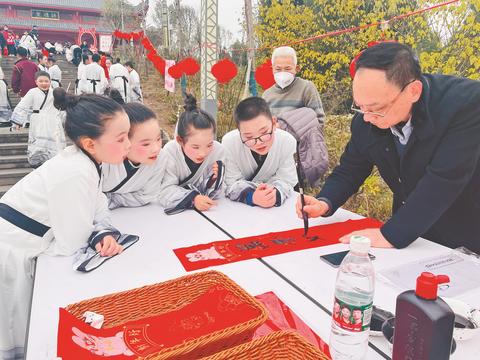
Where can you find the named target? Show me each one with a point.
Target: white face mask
(283, 78)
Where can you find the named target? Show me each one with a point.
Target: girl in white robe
(55, 73)
(135, 88)
(194, 163)
(81, 82)
(58, 208)
(259, 157)
(42, 62)
(5, 106)
(46, 137)
(120, 79)
(137, 181)
(94, 79)
(28, 42)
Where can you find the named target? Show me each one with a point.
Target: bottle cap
(427, 285)
(360, 244)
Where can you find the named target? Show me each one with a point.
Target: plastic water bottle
(352, 309)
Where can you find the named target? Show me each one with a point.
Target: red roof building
(56, 20)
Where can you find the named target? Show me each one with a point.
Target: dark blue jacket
(436, 184)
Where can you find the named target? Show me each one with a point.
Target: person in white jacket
(55, 72)
(5, 106)
(259, 157)
(81, 82)
(194, 163)
(120, 79)
(46, 136)
(94, 77)
(138, 180)
(135, 88)
(58, 208)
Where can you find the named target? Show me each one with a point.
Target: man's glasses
(262, 138)
(356, 109)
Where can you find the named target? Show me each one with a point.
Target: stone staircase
(13, 158)
(13, 145)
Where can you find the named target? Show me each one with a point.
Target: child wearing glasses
(194, 163)
(260, 168)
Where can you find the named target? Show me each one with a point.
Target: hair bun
(114, 94)
(62, 100)
(190, 103)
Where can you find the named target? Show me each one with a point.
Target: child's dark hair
(130, 64)
(115, 95)
(22, 52)
(86, 114)
(194, 117)
(42, 73)
(137, 112)
(95, 58)
(52, 59)
(250, 108)
(85, 58)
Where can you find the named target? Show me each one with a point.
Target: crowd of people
(420, 130)
(36, 74)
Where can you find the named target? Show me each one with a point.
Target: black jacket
(436, 184)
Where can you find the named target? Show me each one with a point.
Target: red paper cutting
(228, 251)
(217, 309)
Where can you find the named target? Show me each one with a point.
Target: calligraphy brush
(298, 166)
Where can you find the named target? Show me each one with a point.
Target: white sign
(106, 43)
(169, 81)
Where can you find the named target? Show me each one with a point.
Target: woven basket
(284, 345)
(172, 295)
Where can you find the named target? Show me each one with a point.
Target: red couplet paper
(217, 309)
(228, 251)
(281, 317)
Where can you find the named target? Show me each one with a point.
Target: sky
(229, 13)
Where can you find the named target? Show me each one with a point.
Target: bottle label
(350, 317)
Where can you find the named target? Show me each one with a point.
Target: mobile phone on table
(336, 259)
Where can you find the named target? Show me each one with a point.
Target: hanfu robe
(81, 82)
(42, 67)
(243, 174)
(5, 106)
(127, 185)
(55, 76)
(65, 210)
(120, 80)
(95, 80)
(46, 136)
(135, 88)
(28, 42)
(181, 184)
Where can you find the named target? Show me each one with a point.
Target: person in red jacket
(12, 50)
(23, 74)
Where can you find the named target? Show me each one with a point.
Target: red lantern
(189, 66)
(175, 71)
(224, 71)
(264, 75)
